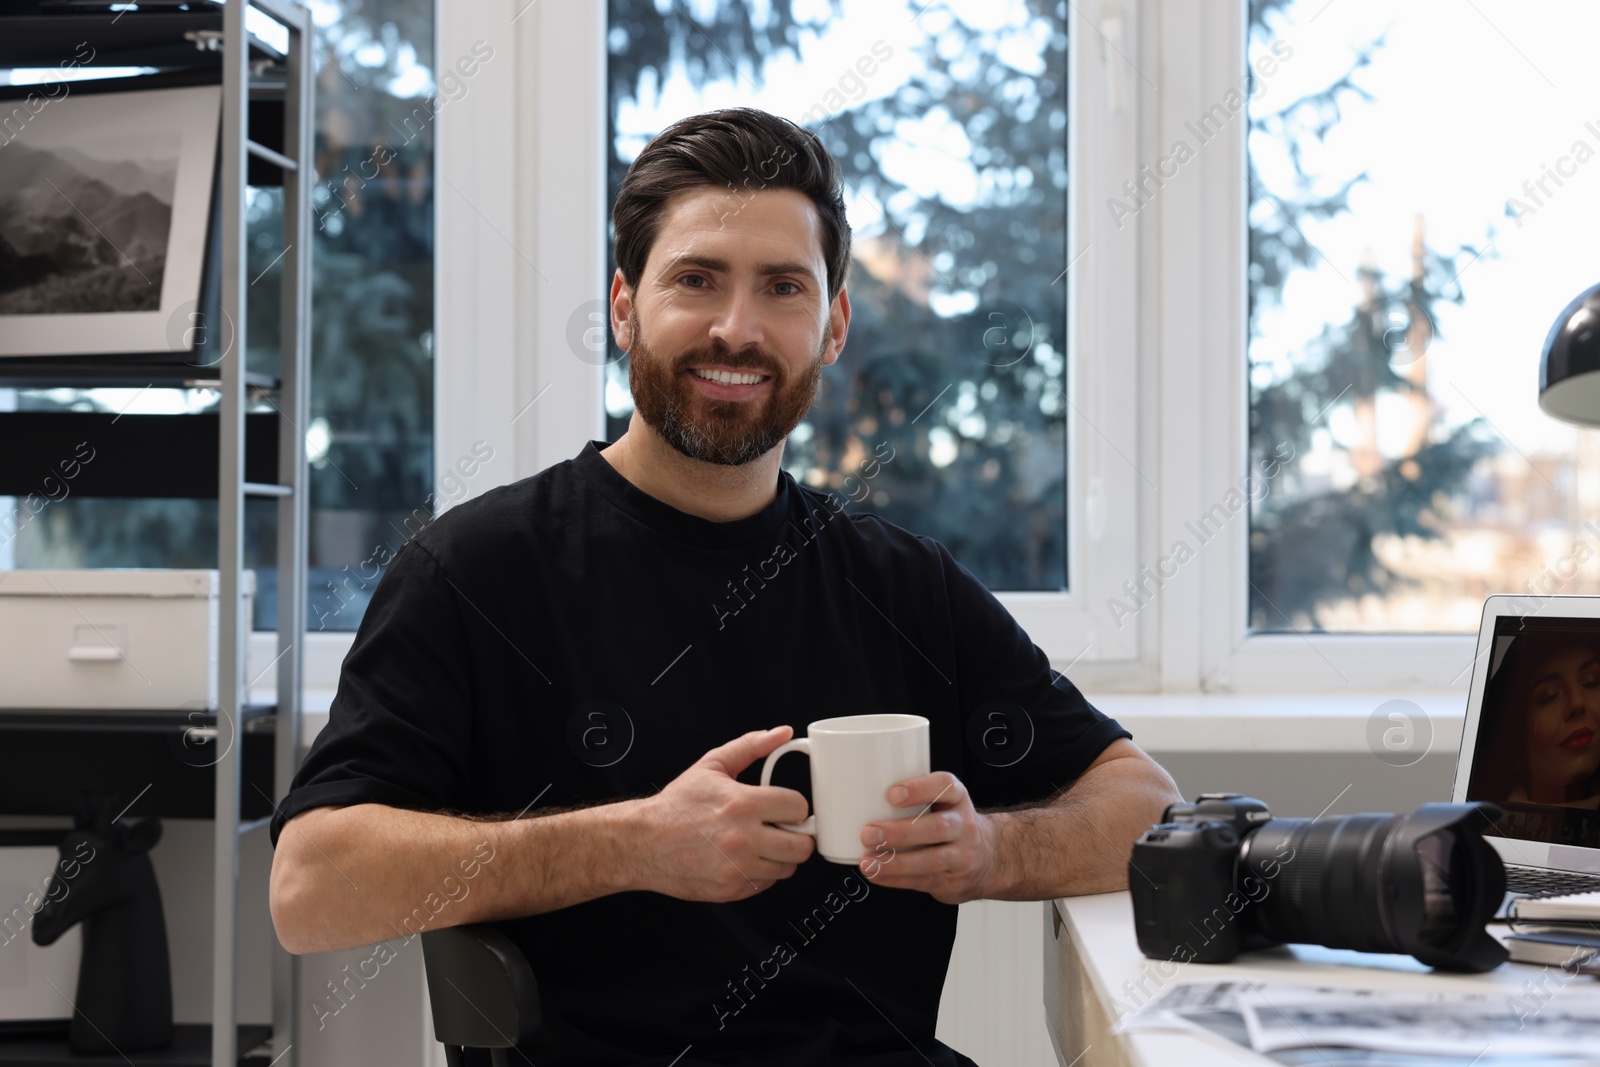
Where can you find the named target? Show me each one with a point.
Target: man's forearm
(357, 875)
(1081, 842)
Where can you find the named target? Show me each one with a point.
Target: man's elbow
(1161, 790)
(286, 902)
(293, 893)
(1144, 788)
(1158, 793)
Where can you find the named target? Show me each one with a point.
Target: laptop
(1532, 740)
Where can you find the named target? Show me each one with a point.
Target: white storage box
(111, 639)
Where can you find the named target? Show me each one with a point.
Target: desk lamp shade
(1569, 372)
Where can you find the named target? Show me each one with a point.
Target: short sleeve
(1029, 731)
(399, 728)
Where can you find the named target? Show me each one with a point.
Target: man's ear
(838, 325)
(621, 309)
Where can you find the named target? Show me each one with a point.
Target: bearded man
(539, 694)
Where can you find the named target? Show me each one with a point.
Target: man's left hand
(943, 846)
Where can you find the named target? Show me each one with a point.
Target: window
(950, 123)
(1201, 331)
(1421, 180)
(370, 435)
(525, 262)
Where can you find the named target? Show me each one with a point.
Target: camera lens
(1329, 884)
(1437, 859)
(1412, 884)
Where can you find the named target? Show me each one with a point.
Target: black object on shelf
(41, 33)
(154, 756)
(134, 456)
(90, 372)
(105, 881)
(191, 1047)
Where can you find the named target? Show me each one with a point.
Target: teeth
(727, 378)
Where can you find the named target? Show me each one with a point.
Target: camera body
(1190, 902)
(1221, 876)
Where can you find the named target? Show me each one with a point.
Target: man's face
(735, 284)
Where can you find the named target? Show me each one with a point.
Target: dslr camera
(1222, 876)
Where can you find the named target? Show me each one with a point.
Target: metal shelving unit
(167, 40)
(290, 491)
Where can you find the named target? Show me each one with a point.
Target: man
(546, 651)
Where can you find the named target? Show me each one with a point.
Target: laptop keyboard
(1542, 881)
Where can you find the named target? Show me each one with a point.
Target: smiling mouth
(729, 378)
(1578, 739)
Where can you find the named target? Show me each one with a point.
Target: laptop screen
(1537, 752)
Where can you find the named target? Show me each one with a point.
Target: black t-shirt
(570, 639)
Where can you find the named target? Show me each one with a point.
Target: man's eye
(695, 278)
(791, 288)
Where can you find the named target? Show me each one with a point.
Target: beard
(729, 433)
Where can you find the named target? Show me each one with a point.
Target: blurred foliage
(979, 388)
(1311, 547)
(372, 262)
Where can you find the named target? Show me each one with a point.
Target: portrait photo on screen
(1538, 746)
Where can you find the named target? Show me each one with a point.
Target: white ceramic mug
(854, 761)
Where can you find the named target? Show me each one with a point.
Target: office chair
(483, 993)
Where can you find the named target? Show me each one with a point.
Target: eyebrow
(766, 270)
(1556, 676)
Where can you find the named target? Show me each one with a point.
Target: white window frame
(521, 183)
(1157, 311)
(499, 326)
(1203, 230)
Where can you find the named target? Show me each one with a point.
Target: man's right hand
(343, 875)
(706, 834)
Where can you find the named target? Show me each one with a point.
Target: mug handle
(799, 744)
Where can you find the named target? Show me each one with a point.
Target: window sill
(1287, 722)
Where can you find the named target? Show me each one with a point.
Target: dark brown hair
(741, 149)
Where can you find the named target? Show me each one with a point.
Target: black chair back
(483, 992)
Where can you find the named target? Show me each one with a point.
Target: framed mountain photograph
(105, 200)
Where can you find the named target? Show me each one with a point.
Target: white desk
(1094, 974)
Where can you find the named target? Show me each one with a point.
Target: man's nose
(737, 323)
